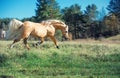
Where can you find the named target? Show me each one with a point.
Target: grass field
(74, 59)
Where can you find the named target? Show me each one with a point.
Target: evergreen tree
(102, 14)
(91, 12)
(4, 23)
(47, 9)
(71, 15)
(114, 7)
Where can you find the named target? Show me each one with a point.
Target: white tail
(13, 31)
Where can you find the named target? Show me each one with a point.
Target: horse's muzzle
(67, 37)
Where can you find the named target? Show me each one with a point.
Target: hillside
(114, 38)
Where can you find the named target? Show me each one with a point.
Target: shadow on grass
(5, 76)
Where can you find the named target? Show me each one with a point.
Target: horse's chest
(50, 31)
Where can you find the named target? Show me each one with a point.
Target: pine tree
(91, 12)
(47, 9)
(102, 14)
(72, 13)
(72, 16)
(114, 7)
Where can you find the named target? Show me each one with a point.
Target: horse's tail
(14, 29)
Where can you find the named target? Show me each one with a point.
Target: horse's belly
(42, 33)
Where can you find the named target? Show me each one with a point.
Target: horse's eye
(65, 31)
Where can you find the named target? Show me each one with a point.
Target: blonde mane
(54, 21)
(13, 26)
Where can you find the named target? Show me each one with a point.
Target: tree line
(89, 23)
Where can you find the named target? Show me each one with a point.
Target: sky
(26, 8)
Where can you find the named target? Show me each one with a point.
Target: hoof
(11, 46)
(28, 48)
(33, 45)
(57, 47)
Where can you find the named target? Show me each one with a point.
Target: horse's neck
(57, 27)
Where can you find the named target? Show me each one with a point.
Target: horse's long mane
(55, 21)
(13, 29)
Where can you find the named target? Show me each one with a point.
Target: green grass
(72, 60)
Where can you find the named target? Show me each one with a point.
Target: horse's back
(35, 29)
(29, 26)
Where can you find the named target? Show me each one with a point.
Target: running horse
(22, 30)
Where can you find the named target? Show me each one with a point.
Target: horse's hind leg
(40, 42)
(25, 42)
(16, 40)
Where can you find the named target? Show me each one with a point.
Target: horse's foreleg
(16, 40)
(25, 42)
(54, 40)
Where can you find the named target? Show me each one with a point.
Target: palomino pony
(41, 30)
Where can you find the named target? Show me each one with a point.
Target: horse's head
(60, 25)
(65, 31)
